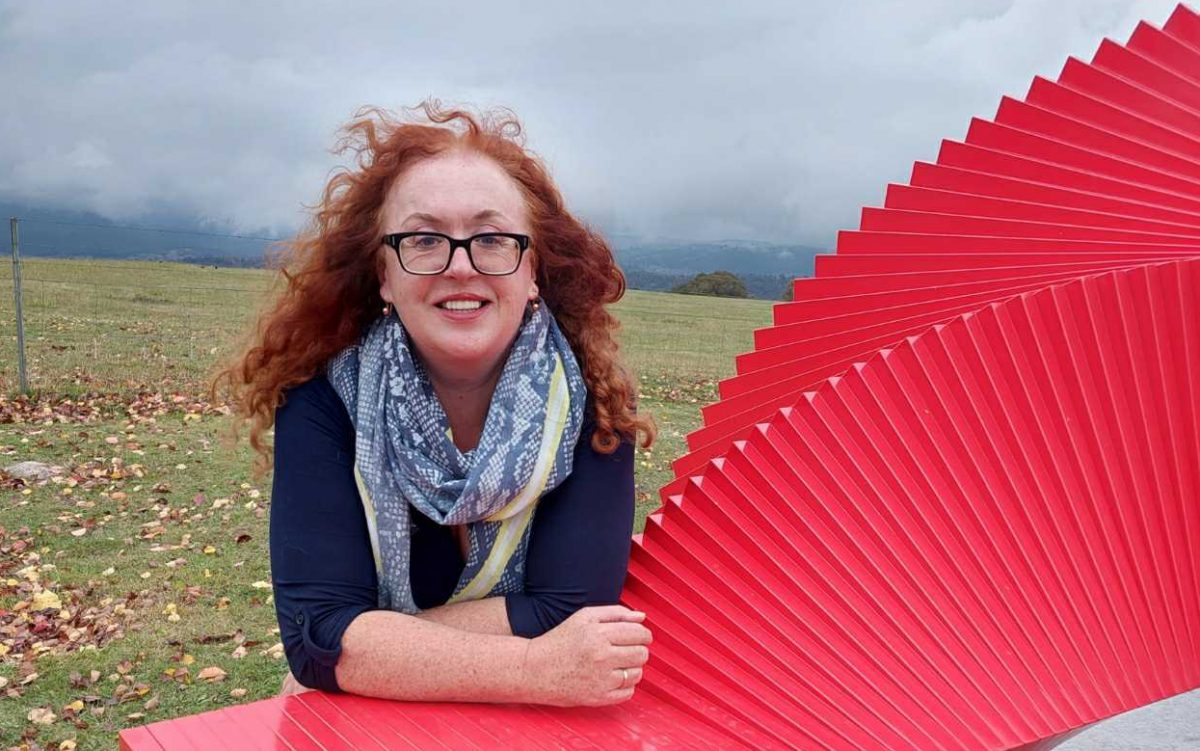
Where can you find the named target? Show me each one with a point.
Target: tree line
(720, 284)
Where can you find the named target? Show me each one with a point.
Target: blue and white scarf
(404, 453)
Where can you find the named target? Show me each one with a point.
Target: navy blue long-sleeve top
(323, 570)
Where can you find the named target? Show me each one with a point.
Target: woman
(453, 489)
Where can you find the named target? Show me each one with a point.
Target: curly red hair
(331, 271)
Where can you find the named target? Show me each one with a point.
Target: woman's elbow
(311, 671)
(312, 664)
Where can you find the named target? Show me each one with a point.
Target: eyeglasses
(430, 253)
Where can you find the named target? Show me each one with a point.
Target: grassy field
(134, 586)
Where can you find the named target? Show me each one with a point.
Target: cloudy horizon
(770, 121)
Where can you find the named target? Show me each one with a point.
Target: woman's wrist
(531, 674)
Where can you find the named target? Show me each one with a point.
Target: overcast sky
(692, 120)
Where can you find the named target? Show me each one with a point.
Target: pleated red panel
(952, 498)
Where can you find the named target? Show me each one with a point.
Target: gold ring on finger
(624, 677)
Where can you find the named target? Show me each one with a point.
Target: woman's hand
(593, 658)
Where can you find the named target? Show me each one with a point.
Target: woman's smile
(463, 310)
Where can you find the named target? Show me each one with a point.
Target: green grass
(119, 355)
(125, 326)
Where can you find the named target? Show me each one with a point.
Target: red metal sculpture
(952, 498)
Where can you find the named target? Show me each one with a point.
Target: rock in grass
(33, 471)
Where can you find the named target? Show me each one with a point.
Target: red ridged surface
(952, 498)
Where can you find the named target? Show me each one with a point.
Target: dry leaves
(45, 600)
(49, 617)
(42, 612)
(212, 674)
(41, 716)
(92, 407)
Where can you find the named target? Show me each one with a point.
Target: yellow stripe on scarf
(369, 508)
(515, 517)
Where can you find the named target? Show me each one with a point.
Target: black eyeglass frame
(394, 239)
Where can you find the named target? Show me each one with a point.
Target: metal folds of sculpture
(952, 498)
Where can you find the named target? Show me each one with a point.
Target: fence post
(16, 261)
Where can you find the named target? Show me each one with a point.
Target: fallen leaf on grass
(30, 573)
(41, 716)
(44, 600)
(192, 593)
(212, 674)
(238, 693)
(124, 693)
(179, 675)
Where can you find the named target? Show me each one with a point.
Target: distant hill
(742, 257)
(766, 268)
(81, 234)
(761, 286)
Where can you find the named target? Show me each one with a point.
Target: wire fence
(120, 326)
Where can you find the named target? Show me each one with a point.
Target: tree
(716, 284)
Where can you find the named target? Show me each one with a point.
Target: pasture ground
(134, 587)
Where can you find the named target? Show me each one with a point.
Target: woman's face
(460, 194)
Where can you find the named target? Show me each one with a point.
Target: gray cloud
(765, 120)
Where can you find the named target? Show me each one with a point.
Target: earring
(535, 304)
(387, 309)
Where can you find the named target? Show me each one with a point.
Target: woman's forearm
(395, 656)
(486, 616)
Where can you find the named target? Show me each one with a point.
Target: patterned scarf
(404, 453)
